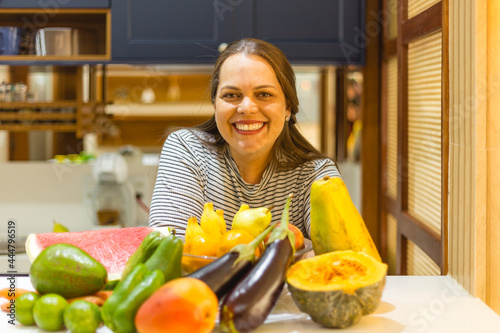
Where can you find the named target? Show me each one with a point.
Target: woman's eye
(229, 95)
(265, 94)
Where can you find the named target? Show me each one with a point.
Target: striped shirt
(191, 174)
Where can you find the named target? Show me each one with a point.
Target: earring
(287, 118)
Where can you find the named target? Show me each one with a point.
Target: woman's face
(250, 106)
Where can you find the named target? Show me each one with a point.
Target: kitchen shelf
(38, 127)
(19, 59)
(37, 116)
(31, 116)
(166, 109)
(67, 112)
(96, 20)
(60, 4)
(38, 105)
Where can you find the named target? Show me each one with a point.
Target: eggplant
(222, 274)
(248, 304)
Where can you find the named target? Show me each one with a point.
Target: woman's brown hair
(291, 149)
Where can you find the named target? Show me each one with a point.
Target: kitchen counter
(411, 304)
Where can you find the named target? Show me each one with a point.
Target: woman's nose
(247, 105)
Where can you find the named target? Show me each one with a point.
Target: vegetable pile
(240, 287)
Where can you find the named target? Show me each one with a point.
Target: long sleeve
(178, 192)
(190, 174)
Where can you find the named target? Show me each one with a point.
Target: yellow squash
(211, 222)
(337, 288)
(222, 222)
(336, 224)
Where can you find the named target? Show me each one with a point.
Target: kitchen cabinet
(87, 33)
(179, 31)
(54, 5)
(144, 103)
(192, 31)
(65, 112)
(312, 31)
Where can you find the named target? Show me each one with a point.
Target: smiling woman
(249, 152)
(250, 112)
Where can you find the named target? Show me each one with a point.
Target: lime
(24, 308)
(82, 317)
(48, 312)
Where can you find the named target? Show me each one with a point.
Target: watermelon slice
(111, 247)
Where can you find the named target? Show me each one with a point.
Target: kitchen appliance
(113, 199)
(10, 38)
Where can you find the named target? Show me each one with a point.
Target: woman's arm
(178, 192)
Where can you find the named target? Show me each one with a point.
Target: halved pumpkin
(337, 288)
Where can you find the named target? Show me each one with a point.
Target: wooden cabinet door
(414, 168)
(181, 31)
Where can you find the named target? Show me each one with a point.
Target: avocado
(67, 270)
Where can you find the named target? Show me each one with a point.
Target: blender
(113, 200)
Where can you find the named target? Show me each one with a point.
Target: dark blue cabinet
(54, 4)
(180, 31)
(191, 31)
(313, 31)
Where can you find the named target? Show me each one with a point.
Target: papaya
(336, 224)
(67, 270)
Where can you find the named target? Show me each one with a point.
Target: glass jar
(20, 92)
(5, 92)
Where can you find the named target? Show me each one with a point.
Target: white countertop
(411, 304)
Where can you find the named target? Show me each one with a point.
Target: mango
(67, 270)
(336, 224)
(185, 304)
(299, 237)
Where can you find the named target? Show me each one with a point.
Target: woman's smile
(248, 128)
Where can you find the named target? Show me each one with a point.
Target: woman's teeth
(249, 127)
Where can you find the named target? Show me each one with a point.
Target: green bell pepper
(124, 316)
(120, 293)
(144, 251)
(167, 258)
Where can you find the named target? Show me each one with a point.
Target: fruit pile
(51, 312)
(69, 290)
(240, 286)
(210, 237)
(70, 286)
